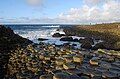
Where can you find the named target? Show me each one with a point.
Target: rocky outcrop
(99, 46)
(66, 39)
(8, 41)
(58, 35)
(106, 45)
(88, 40)
(86, 45)
(42, 39)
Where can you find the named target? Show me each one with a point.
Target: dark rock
(66, 39)
(87, 40)
(61, 76)
(109, 75)
(86, 45)
(76, 40)
(84, 77)
(74, 44)
(42, 39)
(74, 77)
(106, 45)
(57, 35)
(99, 46)
(97, 77)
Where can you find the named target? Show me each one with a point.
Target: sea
(33, 32)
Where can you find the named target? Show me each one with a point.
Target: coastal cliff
(8, 41)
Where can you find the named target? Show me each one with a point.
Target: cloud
(35, 2)
(108, 12)
(93, 2)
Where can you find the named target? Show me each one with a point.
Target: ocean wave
(52, 26)
(38, 33)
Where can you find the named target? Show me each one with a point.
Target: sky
(59, 11)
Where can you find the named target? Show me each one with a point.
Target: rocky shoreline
(22, 59)
(45, 61)
(108, 33)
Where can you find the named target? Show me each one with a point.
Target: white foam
(35, 34)
(52, 26)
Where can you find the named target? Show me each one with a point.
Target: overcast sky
(59, 11)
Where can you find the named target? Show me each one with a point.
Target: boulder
(106, 45)
(66, 39)
(76, 40)
(42, 39)
(99, 46)
(58, 35)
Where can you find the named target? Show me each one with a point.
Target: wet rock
(115, 70)
(58, 35)
(105, 65)
(56, 71)
(74, 44)
(46, 77)
(66, 39)
(74, 77)
(94, 61)
(61, 76)
(109, 75)
(42, 39)
(97, 77)
(75, 40)
(84, 77)
(96, 73)
(108, 59)
(116, 64)
(74, 71)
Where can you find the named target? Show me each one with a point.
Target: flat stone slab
(74, 71)
(109, 75)
(46, 77)
(101, 69)
(61, 76)
(69, 66)
(74, 77)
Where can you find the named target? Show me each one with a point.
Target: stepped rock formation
(8, 41)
